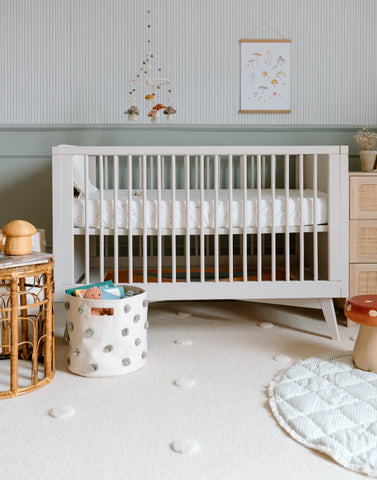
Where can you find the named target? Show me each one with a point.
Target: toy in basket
(107, 335)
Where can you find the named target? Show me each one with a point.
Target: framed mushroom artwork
(265, 76)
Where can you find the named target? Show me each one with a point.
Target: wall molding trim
(185, 127)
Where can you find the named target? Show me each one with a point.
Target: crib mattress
(163, 216)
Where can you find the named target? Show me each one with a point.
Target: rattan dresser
(363, 233)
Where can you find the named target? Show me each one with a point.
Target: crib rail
(265, 229)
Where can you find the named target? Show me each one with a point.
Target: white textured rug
(329, 405)
(202, 392)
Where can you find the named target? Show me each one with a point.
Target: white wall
(68, 61)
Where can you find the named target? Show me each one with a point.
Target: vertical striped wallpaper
(68, 61)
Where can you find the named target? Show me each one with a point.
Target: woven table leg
(24, 323)
(48, 326)
(14, 335)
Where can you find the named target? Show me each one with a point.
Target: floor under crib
(123, 427)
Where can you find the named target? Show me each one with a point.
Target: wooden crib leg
(330, 317)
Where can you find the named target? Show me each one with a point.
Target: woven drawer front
(363, 279)
(363, 241)
(363, 198)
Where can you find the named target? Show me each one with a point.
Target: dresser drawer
(363, 195)
(363, 241)
(363, 279)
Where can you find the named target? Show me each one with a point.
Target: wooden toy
(18, 235)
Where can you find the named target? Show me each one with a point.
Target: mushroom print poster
(265, 76)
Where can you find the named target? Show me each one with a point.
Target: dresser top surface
(363, 174)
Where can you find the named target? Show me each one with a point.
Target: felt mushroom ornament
(169, 111)
(18, 237)
(153, 116)
(155, 112)
(132, 113)
(149, 98)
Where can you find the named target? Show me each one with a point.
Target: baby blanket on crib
(329, 405)
(155, 216)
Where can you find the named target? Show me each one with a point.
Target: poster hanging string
(267, 25)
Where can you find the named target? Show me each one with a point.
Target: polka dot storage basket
(107, 345)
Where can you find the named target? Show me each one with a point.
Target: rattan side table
(27, 339)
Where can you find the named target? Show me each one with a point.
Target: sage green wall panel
(25, 191)
(25, 156)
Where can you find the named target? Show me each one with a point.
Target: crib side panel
(213, 243)
(338, 235)
(63, 232)
(344, 220)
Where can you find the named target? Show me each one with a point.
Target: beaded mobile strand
(150, 78)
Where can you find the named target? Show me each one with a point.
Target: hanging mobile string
(154, 83)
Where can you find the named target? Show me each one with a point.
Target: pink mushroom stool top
(362, 309)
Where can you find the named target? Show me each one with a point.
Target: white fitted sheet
(94, 210)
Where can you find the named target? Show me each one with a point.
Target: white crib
(252, 223)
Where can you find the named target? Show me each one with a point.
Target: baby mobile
(154, 85)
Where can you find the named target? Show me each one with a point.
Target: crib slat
(101, 234)
(202, 262)
(286, 235)
(159, 219)
(259, 220)
(242, 172)
(315, 220)
(273, 233)
(207, 173)
(230, 187)
(263, 246)
(196, 173)
(215, 216)
(252, 172)
(301, 187)
(106, 173)
(140, 173)
(244, 224)
(163, 173)
(151, 172)
(252, 186)
(106, 181)
(116, 234)
(145, 236)
(130, 250)
(87, 257)
(143, 174)
(173, 236)
(187, 187)
(207, 187)
(196, 186)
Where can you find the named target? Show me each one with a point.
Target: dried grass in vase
(366, 139)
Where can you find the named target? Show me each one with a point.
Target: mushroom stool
(362, 309)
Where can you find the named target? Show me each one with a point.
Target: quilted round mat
(327, 404)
